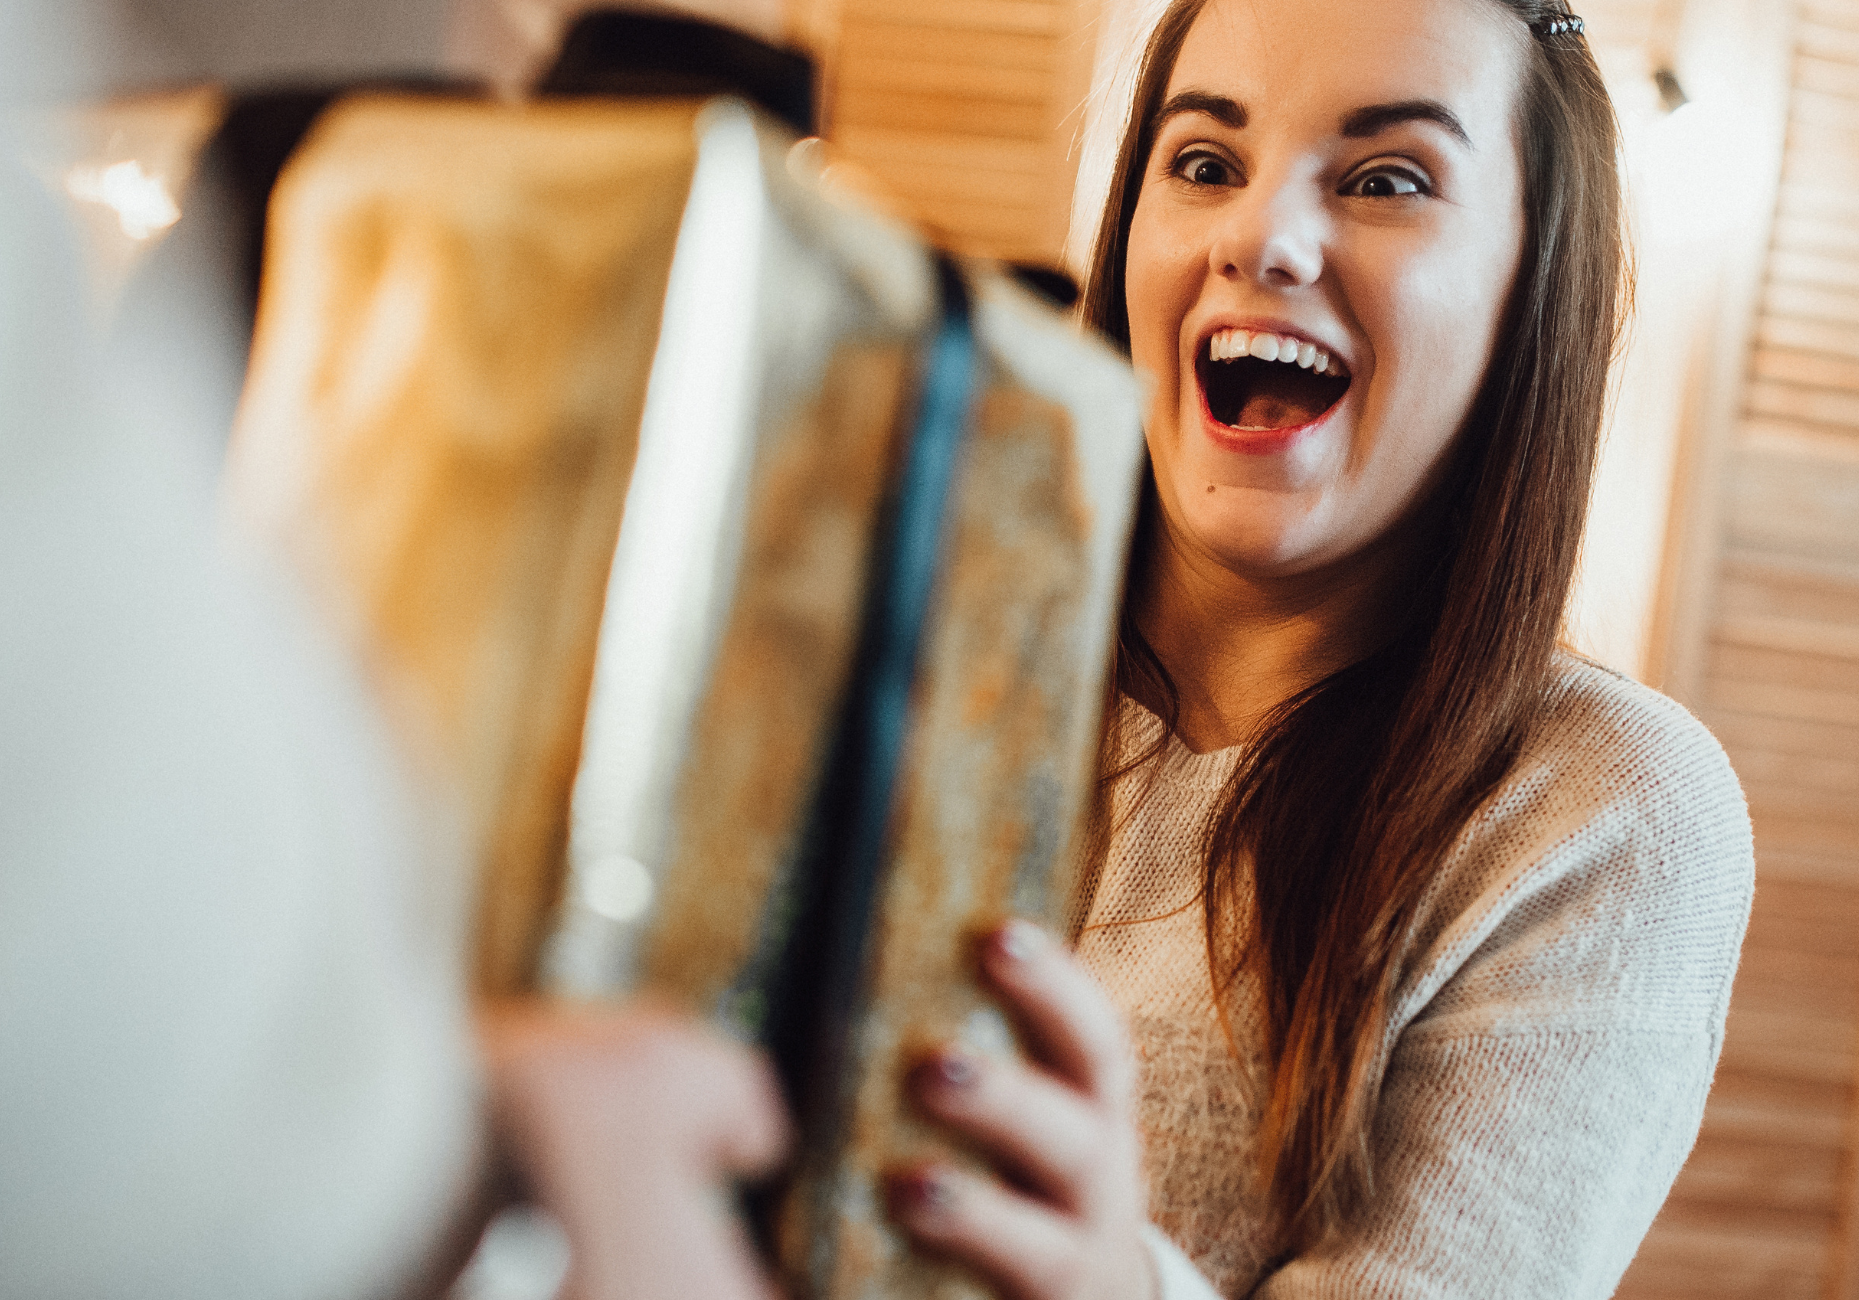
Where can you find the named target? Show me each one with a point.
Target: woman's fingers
(691, 1095)
(1045, 1131)
(1069, 1022)
(1060, 1122)
(628, 1123)
(727, 1094)
(1028, 1251)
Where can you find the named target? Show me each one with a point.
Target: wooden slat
(1800, 446)
(1815, 235)
(1843, 1284)
(1760, 1106)
(944, 149)
(1813, 369)
(1820, 406)
(872, 107)
(1804, 196)
(1838, 777)
(1811, 302)
(1762, 586)
(1774, 863)
(1020, 194)
(1796, 505)
(1819, 138)
(958, 110)
(1813, 739)
(1786, 702)
(1831, 112)
(1841, 14)
(1824, 1011)
(1791, 636)
(1812, 834)
(1034, 17)
(1832, 815)
(1780, 1045)
(946, 81)
(1815, 270)
(881, 41)
(1702, 1256)
(984, 220)
(1823, 41)
(1733, 1172)
(1772, 960)
(1814, 72)
(1809, 336)
(1816, 918)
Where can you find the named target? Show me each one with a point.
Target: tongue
(1277, 410)
(1265, 395)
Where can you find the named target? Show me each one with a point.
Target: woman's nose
(1271, 237)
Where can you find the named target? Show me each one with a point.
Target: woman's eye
(1204, 169)
(1386, 183)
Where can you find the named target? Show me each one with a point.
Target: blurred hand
(1061, 1129)
(628, 1124)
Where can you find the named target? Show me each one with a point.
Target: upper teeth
(1230, 345)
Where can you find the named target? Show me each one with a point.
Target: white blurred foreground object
(522, 1256)
(235, 1058)
(236, 1062)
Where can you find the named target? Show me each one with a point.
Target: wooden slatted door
(965, 112)
(1769, 1204)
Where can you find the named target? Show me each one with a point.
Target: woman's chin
(1261, 531)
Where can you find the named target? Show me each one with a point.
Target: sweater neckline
(1176, 765)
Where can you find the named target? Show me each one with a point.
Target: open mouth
(1262, 383)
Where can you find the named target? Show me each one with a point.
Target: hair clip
(1566, 25)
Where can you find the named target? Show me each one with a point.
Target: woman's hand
(1068, 1223)
(628, 1124)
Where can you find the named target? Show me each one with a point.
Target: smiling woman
(1423, 928)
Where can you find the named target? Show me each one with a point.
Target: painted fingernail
(924, 1192)
(957, 1070)
(1019, 940)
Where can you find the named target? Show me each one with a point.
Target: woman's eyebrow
(1376, 118)
(1228, 112)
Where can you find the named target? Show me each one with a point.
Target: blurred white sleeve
(1175, 1275)
(234, 1058)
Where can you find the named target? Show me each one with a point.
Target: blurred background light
(141, 202)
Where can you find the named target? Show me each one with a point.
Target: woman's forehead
(1322, 61)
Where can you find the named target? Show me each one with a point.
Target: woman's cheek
(1152, 280)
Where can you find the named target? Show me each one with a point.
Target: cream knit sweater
(1549, 1056)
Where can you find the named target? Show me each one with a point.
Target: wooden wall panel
(1766, 1207)
(963, 113)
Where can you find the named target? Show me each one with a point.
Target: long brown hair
(1352, 792)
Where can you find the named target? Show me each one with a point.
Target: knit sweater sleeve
(1548, 1068)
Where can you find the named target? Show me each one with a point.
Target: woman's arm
(1526, 1166)
(1551, 1080)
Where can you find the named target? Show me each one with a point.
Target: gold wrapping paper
(460, 308)
(463, 308)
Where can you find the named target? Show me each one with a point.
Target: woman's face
(1335, 183)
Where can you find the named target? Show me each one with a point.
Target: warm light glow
(672, 566)
(142, 203)
(618, 888)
